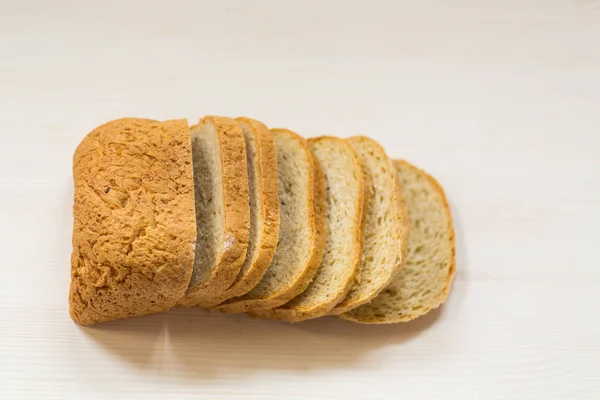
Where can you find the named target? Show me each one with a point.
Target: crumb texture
(423, 284)
(343, 211)
(293, 264)
(385, 225)
(222, 208)
(261, 163)
(210, 210)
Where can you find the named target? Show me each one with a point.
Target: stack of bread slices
(231, 216)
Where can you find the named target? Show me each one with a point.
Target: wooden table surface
(499, 100)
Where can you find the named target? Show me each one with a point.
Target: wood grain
(498, 100)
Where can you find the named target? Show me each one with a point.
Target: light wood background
(500, 100)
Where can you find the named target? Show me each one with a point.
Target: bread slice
(301, 187)
(424, 283)
(261, 161)
(344, 202)
(222, 208)
(134, 230)
(385, 228)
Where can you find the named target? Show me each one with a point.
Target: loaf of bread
(424, 283)
(134, 230)
(230, 216)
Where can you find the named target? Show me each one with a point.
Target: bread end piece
(134, 229)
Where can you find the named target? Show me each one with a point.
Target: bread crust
(403, 231)
(442, 296)
(316, 204)
(268, 209)
(234, 242)
(297, 314)
(134, 225)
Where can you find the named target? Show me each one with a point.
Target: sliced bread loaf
(134, 230)
(222, 208)
(344, 202)
(261, 161)
(301, 188)
(424, 283)
(385, 228)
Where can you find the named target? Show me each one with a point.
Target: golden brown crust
(383, 319)
(134, 226)
(268, 207)
(316, 213)
(302, 314)
(236, 216)
(402, 233)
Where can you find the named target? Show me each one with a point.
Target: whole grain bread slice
(424, 283)
(301, 188)
(385, 226)
(344, 203)
(134, 229)
(222, 208)
(261, 161)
